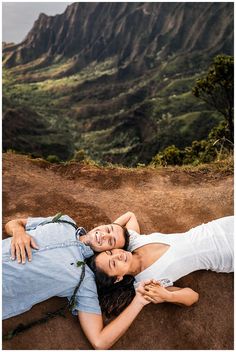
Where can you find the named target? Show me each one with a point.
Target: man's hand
(21, 245)
(154, 292)
(128, 220)
(141, 292)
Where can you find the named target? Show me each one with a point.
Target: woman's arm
(21, 242)
(158, 294)
(183, 296)
(102, 338)
(128, 220)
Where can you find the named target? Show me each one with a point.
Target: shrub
(80, 155)
(216, 147)
(53, 159)
(199, 152)
(169, 156)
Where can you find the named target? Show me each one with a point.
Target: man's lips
(98, 238)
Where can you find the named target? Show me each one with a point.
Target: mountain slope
(135, 33)
(118, 76)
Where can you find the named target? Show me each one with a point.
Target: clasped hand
(21, 245)
(152, 291)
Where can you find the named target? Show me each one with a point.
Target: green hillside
(126, 121)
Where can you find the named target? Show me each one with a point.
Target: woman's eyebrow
(109, 263)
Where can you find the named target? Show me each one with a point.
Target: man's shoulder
(34, 222)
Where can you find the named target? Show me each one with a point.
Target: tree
(217, 88)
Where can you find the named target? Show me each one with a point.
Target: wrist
(170, 297)
(18, 231)
(138, 302)
(14, 231)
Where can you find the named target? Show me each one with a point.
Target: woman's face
(115, 262)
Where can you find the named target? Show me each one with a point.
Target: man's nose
(105, 236)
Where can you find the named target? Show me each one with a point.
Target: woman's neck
(136, 265)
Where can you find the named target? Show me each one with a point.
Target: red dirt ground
(164, 200)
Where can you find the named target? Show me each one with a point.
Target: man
(53, 250)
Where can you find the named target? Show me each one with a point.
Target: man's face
(106, 237)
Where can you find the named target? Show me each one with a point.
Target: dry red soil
(164, 200)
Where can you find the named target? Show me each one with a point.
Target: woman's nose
(118, 256)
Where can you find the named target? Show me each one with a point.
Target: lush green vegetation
(217, 89)
(111, 120)
(216, 147)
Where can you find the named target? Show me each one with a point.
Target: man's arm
(129, 220)
(15, 225)
(21, 242)
(103, 338)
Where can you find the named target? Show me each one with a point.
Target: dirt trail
(165, 200)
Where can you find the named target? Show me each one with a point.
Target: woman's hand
(21, 245)
(141, 296)
(154, 292)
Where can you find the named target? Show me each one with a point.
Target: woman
(163, 257)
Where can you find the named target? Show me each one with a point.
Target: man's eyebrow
(114, 236)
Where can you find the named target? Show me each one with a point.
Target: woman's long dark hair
(113, 297)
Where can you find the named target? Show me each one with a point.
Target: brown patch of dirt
(165, 200)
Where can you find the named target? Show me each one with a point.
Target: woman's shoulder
(133, 233)
(134, 239)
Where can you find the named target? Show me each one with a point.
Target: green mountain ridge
(120, 111)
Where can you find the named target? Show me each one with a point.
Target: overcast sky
(18, 17)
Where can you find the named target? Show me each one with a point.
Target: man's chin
(97, 248)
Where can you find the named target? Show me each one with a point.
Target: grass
(178, 86)
(202, 119)
(225, 166)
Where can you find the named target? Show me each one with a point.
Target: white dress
(208, 246)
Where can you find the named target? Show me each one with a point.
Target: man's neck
(84, 239)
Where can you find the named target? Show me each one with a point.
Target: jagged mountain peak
(134, 33)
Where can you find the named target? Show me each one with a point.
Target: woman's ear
(118, 279)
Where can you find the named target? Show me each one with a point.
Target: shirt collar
(80, 232)
(86, 250)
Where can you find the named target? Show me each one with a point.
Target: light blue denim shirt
(52, 271)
